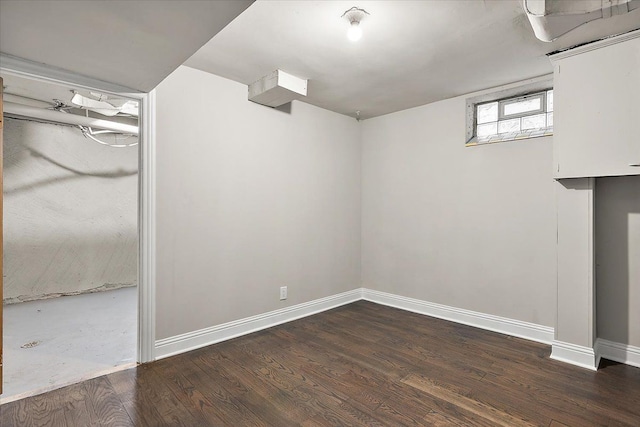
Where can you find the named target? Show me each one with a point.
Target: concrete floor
(55, 342)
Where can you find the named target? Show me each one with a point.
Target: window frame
(502, 103)
(506, 94)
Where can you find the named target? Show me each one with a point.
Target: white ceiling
(132, 43)
(411, 53)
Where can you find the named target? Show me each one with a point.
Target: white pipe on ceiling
(67, 118)
(18, 99)
(551, 19)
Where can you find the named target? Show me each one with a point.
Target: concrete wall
(70, 218)
(618, 259)
(250, 198)
(468, 227)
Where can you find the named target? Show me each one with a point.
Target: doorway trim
(147, 229)
(145, 351)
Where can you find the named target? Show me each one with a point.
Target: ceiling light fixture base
(355, 15)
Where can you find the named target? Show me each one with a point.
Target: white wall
(618, 259)
(252, 198)
(468, 227)
(70, 219)
(249, 199)
(575, 322)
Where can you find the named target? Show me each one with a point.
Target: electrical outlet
(283, 292)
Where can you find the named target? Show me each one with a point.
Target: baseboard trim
(618, 352)
(577, 355)
(584, 357)
(196, 339)
(503, 325)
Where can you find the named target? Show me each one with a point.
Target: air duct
(277, 88)
(12, 108)
(551, 19)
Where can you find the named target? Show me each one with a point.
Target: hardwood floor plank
(77, 405)
(39, 411)
(480, 409)
(555, 423)
(548, 398)
(436, 419)
(222, 394)
(459, 374)
(184, 380)
(138, 404)
(151, 402)
(373, 397)
(273, 406)
(104, 406)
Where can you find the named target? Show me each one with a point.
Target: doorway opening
(71, 242)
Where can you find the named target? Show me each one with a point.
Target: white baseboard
(516, 328)
(566, 352)
(207, 336)
(618, 352)
(196, 339)
(574, 354)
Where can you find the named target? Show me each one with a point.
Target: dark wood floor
(361, 364)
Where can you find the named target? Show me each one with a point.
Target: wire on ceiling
(88, 132)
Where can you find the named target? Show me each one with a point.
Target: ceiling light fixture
(354, 16)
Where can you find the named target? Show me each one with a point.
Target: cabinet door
(597, 110)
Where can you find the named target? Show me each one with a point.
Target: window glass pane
(518, 107)
(512, 125)
(513, 118)
(487, 129)
(487, 113)
(534, 122)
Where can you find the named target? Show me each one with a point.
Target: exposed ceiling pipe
(68, 118)
(551, 19)
(9, 97)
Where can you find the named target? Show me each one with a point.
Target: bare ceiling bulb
(354, 16)
(355, 31)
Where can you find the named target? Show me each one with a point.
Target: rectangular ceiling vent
(277, 88)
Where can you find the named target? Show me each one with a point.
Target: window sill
(516, 136)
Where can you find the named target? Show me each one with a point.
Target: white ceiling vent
(277, 88)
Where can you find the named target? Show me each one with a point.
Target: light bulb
(355, 31)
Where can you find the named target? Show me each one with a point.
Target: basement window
(508, 119)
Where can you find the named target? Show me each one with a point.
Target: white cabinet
(597, 108)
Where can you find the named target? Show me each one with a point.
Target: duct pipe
(7, 97)
(68, 118)
(551, 19)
